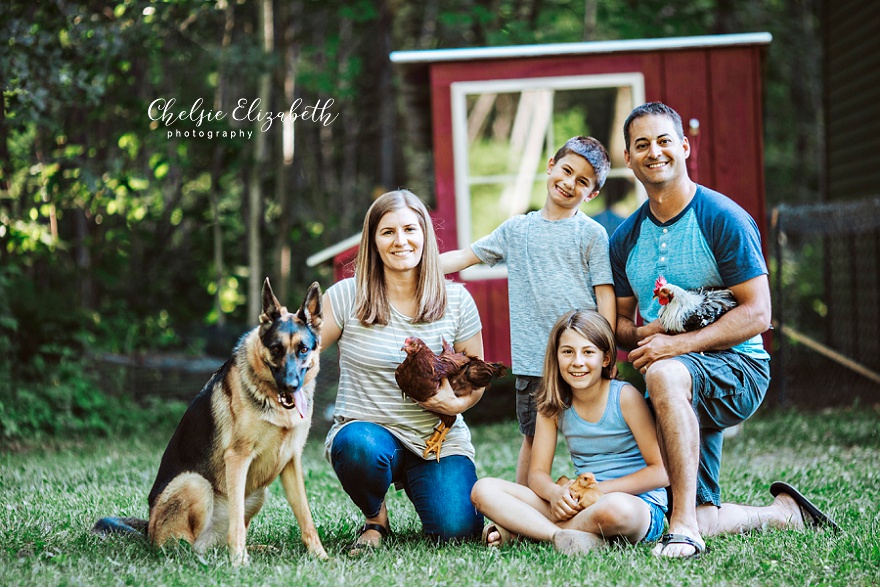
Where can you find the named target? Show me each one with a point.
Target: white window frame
(459, 93)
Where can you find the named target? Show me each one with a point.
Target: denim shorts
(526, 409)
(728, 387)
(658, 522)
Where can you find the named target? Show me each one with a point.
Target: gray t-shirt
(552, 267)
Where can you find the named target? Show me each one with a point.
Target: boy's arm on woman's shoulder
(455, 261)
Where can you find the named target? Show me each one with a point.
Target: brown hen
(420, 373)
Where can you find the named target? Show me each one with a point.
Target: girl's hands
(562, 505)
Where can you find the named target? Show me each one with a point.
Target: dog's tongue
(299, 397)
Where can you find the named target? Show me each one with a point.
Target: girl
(610, 433)
(377, 437)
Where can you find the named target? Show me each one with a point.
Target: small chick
(585, 489)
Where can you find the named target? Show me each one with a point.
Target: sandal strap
(382, 530)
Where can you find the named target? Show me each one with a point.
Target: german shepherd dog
(246, 427)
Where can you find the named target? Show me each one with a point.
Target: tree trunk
(388, 106)
(590, 7)
(5, 160)
(255, 205)
(284, 196)
(217, 167)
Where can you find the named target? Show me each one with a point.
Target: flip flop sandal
(668, 539)
(359, 548)
(817, 518)
(505, 534)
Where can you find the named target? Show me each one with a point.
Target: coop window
(504, 132)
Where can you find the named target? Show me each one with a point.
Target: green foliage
(70, 403)
(47, 390)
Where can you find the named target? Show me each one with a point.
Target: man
(704, 381)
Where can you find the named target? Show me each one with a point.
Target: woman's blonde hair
(554, 394)
(371, 300)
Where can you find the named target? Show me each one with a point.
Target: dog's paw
(239, 559)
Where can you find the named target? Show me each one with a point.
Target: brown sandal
(359, 548)
(503, 532)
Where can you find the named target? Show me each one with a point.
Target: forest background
(118, 238)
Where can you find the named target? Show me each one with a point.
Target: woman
(378, 437)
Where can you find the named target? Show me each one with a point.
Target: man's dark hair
(591, 150)
(652, 109)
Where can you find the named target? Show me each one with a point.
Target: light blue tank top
(607, 449)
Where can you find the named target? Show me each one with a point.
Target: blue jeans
(368, 459)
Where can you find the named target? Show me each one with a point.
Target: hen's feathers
(689, 310)
(420, 373)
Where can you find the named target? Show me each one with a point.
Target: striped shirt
(368, 356)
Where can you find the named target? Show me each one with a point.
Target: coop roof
(585, 48)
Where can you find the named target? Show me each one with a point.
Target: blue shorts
(658, 522)
(728, 387)
(526, 408)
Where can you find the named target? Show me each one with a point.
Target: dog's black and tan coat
(246, 427)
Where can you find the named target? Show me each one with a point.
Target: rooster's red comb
(661, 281)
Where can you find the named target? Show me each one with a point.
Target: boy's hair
(591, 150)
(371, 299)
(652, 109)
(554, 394)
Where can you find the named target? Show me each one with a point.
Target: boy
(557, 260)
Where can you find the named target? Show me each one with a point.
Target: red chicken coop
(496, 115)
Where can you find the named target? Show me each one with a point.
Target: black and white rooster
(683, 310)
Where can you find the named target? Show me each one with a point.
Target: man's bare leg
(669, 384)
(733, 518)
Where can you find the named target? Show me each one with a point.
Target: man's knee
(668, 380)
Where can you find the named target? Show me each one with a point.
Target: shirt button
(662, 258)
(663, 245)
(665, 230)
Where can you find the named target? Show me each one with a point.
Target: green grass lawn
(50, 497)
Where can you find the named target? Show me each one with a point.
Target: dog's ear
(311, 310)
(272, 308)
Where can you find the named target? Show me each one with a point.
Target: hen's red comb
(661, 281)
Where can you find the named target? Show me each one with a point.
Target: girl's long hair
(371, 300)
(554, 394)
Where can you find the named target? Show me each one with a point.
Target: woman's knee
(360, 448)
(441, 494)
